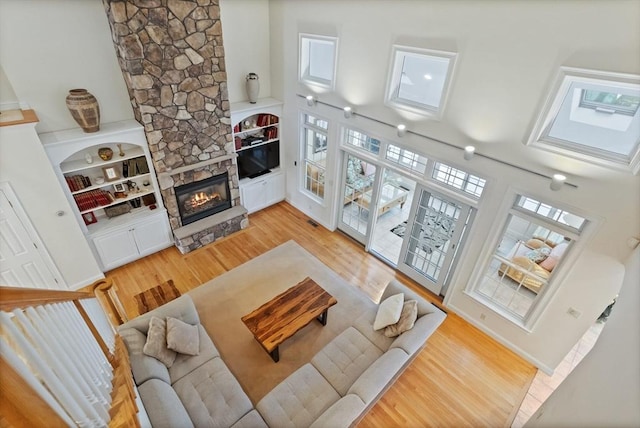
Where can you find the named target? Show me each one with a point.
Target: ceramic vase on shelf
(253, 87)
(85, 109)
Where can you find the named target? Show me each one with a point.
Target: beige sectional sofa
(335, 389)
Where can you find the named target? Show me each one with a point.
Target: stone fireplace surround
(171, 55)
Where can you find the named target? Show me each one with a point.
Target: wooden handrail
(15, 297)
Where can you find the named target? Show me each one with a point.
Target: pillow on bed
(539, 254)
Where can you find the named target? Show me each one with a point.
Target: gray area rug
(222, 301)
(439, 231)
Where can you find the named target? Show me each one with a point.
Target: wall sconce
(468, 152)
(347, 112)
(310, 100)
(402, 129)
(557, 181)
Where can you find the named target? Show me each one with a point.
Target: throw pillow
(407, 319)
(539, 255)
(389, 311)
(182, 337)
(156, 345)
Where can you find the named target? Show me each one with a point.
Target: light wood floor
(462, 377)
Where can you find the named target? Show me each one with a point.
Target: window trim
(392, 88)
(565, 77)
(303, 77)
(302, 158)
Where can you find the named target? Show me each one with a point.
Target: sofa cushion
(388, 311)
(251, 420)
(185, 364)
(156, 344)
(298, 400)
(182, 337)
(364, 324)
(378, 375)
(394, 287)
(341, 413)
(212, 396)
(407, 319)
(143, 366)
(163, 405)
(345, 358)
(181, 308)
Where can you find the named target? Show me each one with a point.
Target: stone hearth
(172, 59)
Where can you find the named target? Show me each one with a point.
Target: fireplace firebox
(203, 198)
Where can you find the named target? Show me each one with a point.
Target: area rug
(222, 301)
(156, 296)
(440, 230)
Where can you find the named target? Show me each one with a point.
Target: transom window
(594, 116)
(314, 154)
(534, 242)
(407, 159)
(419, 79)
(317, 61)
(458, 179)
(362, 141)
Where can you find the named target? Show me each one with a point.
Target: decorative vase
(85, 109)
(253, 87)
(105, 153)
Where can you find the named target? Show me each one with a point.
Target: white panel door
(21, 264)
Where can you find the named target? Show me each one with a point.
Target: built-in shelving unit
(115, 199)
(256, 133)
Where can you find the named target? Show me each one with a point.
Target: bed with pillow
(535, 256)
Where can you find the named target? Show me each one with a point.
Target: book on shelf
(77, 182)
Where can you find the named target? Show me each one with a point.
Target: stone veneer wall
(172, 60)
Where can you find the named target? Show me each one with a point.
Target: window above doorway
(419, 80)
(317, 60)
(592, 116)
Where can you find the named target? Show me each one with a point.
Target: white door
(357, 198)
(21, 263)
(433, 233)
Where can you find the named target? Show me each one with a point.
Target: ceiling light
(402, 129)
(428, 77)
(347, 112)
(310, 100)
(468, 152)
(557, 181)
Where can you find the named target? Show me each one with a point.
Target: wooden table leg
(275, 354)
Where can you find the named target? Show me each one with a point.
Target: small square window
(318, 60)
(419, 80)
(594, 117)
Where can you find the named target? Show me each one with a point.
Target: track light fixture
(468, 152)
(557, 181)
(402, 129)
(310, 100)
(348, 111)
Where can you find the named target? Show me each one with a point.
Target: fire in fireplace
(203, 198)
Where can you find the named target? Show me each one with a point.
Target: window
(407, 159)
(458, 179)
(317, 61)
(314, 154)
(362, 141)
(594, 117)
(533, 244)
(419, 80)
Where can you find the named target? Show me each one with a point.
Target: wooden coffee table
(281, 317)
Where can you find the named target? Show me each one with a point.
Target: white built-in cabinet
(94, 186)
(258, 125)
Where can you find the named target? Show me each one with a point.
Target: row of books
(266, 120)
(77, 182)
(93, 199)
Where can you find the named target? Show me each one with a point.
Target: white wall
(508, 55)
(8, 99)
(604, 389)
(49, 47)
(245, 32)
(26, 166)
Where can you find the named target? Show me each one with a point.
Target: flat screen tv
(256, 161)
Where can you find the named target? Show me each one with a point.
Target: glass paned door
(356, 197)
(435, 228)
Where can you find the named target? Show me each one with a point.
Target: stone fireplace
(172, 60)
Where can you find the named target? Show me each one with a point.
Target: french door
(434, 232)
(357, 198)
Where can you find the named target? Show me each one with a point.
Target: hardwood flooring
(462, 378)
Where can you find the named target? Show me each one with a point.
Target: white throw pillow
(389, 311)
(156, 345)
(182, 337)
